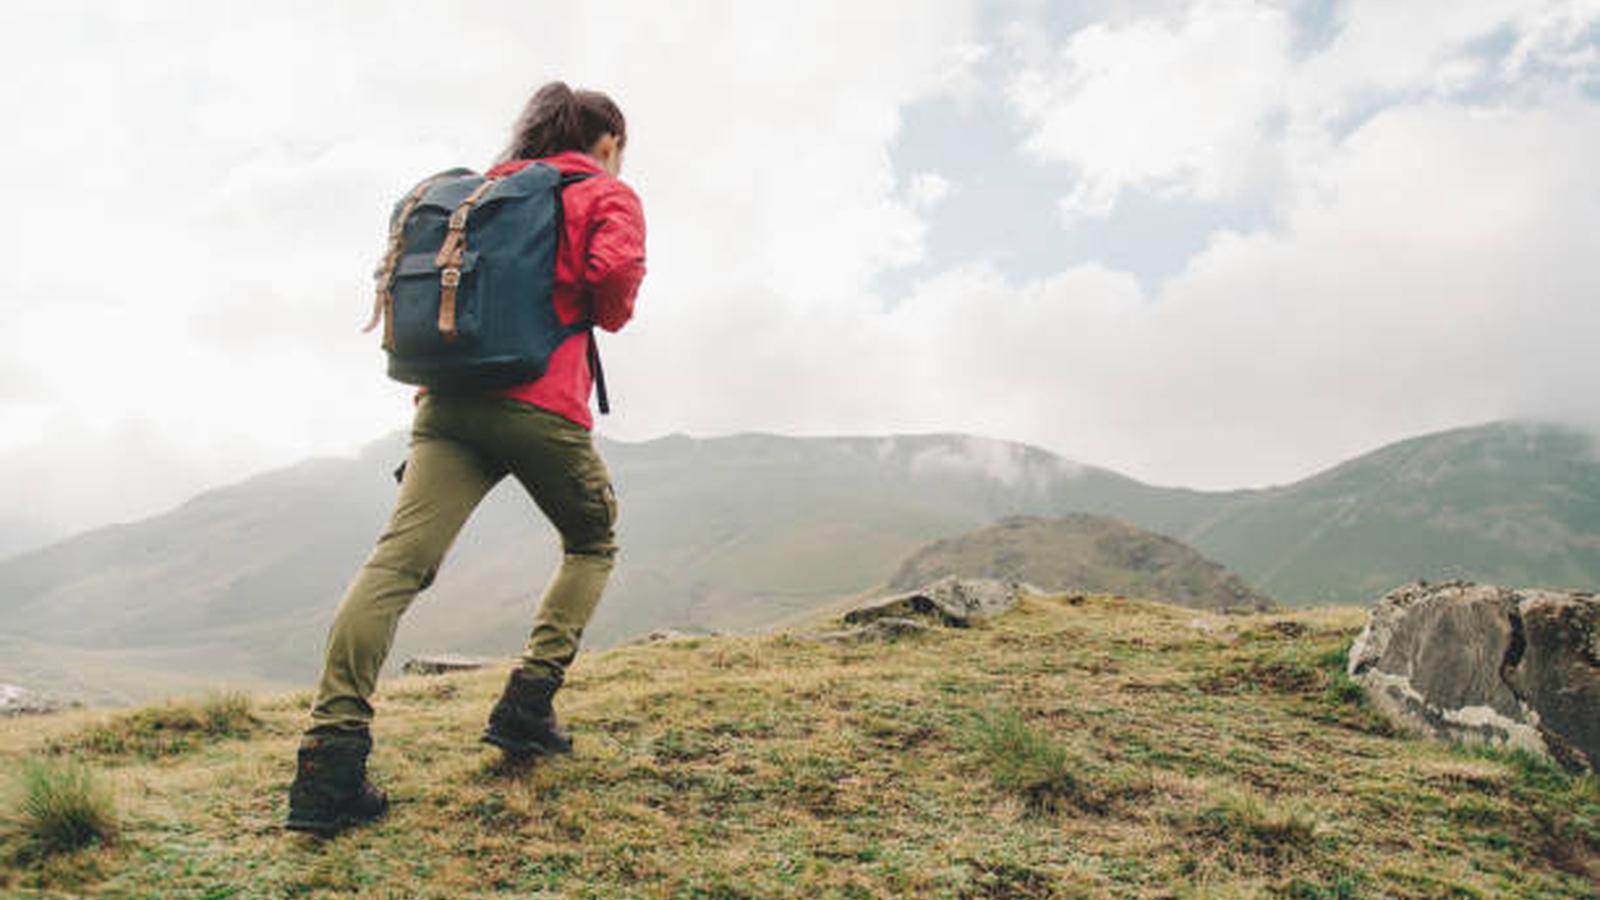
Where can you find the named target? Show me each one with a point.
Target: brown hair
(558, 118)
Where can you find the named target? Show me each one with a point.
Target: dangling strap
(449, 260)
(383, 303)
(599, 376)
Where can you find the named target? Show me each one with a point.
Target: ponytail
(557, 119)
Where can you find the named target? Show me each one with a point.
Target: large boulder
(1478, 663)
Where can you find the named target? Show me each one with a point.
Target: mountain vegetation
(236, 587)
(1509, 503)
(1082, 552)
(1075, 746)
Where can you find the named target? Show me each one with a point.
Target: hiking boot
(331, 791)
(523, 723)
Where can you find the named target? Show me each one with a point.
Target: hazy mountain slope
(716, 534)
(20, 533)
(239, 583)
(1505, 503)
(1083, 553)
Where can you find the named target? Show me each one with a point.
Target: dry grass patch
(170, 729)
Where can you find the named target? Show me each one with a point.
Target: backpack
(465, 290)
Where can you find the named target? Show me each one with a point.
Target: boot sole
(326, 828)
(522, 748)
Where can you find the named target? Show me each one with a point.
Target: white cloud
(226, 174)
(206, 187)
(1211, 103)
(1561, 36)
(1171, 105)
(1442, 279)
(926, 190)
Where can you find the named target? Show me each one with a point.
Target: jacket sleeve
(614, 265)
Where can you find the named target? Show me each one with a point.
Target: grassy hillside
(1082, 553)
(1077, 746)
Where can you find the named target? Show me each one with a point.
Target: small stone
(661, 635)
(443, 663)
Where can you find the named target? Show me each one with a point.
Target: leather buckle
(450, 277)
(458, 219)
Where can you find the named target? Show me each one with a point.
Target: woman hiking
(463, 443)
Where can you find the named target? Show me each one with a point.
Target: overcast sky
(1219, 243)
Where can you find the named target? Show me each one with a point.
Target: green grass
(1046, 774)
(1088, 747)
(1250, 823)
(60, 806)
(170, 729)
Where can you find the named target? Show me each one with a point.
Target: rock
(443, 663)
(661, 635)
(886, 629)
(19, 701)
(955, 602)
(1478, 663)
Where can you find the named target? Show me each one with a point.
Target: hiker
(463, 442)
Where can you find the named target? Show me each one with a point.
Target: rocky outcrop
(955, 602)
(885, 630)
(19, 701)
(950, 602)
(1478, 663)
(442, 664)
(667, 635)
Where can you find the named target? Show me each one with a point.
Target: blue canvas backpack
(465, 290)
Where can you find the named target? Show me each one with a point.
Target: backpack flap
(416, 288)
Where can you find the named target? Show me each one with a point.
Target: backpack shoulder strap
(595, 368)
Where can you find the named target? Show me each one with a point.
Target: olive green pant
(460, 448)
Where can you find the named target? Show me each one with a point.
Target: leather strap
(448, 260)
(383, 303)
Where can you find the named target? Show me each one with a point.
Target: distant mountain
(1096, 554)
(1508, 503)
(237, 585)
(20, 533)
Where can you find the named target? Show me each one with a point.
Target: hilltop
(1096, 554)
(1074, 746)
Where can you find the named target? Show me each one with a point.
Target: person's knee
(407, 557)
(593, 531)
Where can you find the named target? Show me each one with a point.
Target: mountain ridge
(738, 532)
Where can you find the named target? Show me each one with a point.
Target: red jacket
(599, 265)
